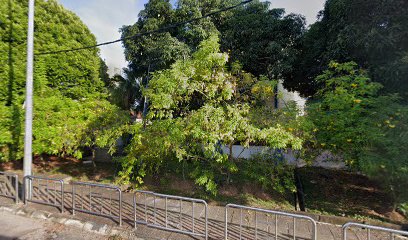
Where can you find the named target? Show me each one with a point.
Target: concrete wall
(325, 159)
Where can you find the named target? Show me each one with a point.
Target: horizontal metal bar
(44, 178)
(96, 185)
(171, 229)
(377, 228)
(95, 194)
(8, 196)
(180, 198)
(142, 191)
(141, 222)
(9, 174)
(96, 213)
(270, 211)
(46, 203)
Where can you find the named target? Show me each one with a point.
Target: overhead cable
(147, 32)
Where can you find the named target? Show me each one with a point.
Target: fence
(92, 200)
(7, 180)
(390, 232)
(174, 213)
(171, 213)
(43, 190)
(262, 218)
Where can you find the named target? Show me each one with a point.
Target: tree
(267, 48)
(126, 91)
(158, 51)
(68, 93)
(371, 33)
(353, 119)
(193, 109)
(264, 40)
(103, 72)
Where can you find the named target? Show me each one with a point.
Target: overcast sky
(105, 17)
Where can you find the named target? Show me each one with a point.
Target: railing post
(73, 199)
(206, 220)
(62, 195)
(25, 191)
(120, 207)
(16, 187)
(134, 210)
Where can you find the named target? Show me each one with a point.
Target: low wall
(325, 159)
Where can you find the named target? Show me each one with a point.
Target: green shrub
(271, 170)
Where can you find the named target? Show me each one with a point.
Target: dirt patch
(257, 192)
(344, 193)
(228, 190)
(60, 166)
(181, 185)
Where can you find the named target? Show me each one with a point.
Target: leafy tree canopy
(263, 40)
(69, 95)
(374, 34)
(351, 118)
(194, 107)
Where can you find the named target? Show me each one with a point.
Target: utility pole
(28, 137)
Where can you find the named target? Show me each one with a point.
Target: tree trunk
(299, 190)
(231, 159)
(93, 156)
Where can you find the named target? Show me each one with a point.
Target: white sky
(105, 17)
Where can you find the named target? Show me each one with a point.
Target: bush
(350, 117)
(270, 170)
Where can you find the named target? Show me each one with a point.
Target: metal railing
(170, 208)
(172, 213)
(255, 233)
(7, 180)
(43, 190)
(392, 232)
(93, 200)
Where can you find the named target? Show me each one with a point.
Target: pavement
(19, 227)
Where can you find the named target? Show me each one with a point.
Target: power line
(148, 32)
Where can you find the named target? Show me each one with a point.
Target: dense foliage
(264, 41)
(194, 108)
(373, 33)
(352, 119)
(199, 99)
(69, 95)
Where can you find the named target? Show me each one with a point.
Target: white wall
(286, 97)
(325, 159)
